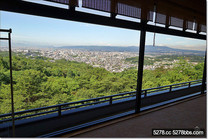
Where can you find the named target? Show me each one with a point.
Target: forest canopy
(40, 81)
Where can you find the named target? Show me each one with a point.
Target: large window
(56, 61)
(172, 60)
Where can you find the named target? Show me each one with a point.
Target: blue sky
(40, 31)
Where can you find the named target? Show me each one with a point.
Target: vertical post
(140, 67)
(111, 100)
(59, 111)
(113, 9)
(198, 30)
(184, 25)
(167, 21)
(189, 85)
(170, 90)
(72, 5)
(11, 83)
(204, 75)
(145, 93)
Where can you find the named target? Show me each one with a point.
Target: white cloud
(168, 39)
(190, 39)
(180, 42)
(160, 44)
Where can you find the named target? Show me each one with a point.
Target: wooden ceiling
(185, 10)
(189, 10)
(134, 8)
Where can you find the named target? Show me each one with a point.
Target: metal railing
(89, 102)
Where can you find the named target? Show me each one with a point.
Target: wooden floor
(186, 114)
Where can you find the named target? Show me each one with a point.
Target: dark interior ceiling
(179, 10)
(184, 14)
(179, 13)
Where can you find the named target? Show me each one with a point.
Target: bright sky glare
(41, 31)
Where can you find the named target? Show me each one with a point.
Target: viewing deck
(186, 114)
(58, 120)
(129, 114)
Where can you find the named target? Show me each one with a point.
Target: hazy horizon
(44, 32)
(49, 46)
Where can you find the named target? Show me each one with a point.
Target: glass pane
(172, 60)
(56, 61)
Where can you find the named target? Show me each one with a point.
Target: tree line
(40, 81)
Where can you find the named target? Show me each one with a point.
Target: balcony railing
(89, 102)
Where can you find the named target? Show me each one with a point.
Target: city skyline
(113, 61)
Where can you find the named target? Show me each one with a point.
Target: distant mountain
(148, 49)
(164, 49)
(103, 48)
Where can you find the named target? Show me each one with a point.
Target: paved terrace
(188, 113)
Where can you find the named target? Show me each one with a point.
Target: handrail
(83, 103)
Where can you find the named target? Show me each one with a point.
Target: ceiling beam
(24, 7)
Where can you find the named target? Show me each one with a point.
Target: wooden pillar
(72, 5)
(113, 9)
(198, 28)
(184, 25)
(140, 67)
(167, 21)
(11, 83)
(204, 75)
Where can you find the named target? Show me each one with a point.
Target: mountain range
(155, 50)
